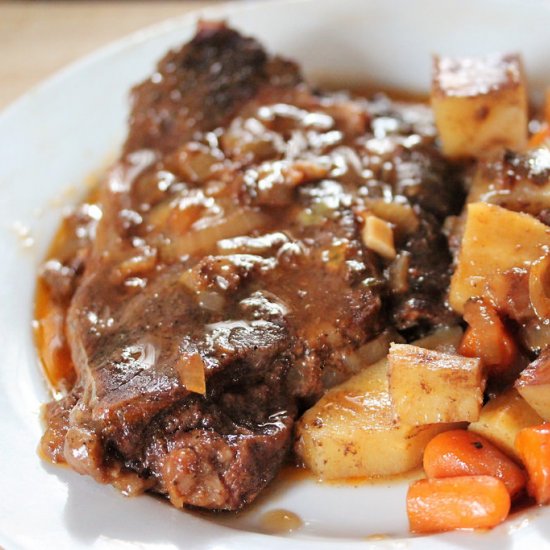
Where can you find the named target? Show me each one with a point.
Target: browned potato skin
(480, 104)
(428, 386)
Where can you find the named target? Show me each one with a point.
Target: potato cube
(533, 385)
(429, 386)
(352, 432)
(495, 240)
(502, 418)
(480, 104)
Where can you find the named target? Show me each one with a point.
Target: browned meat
(422, 304)
(227, 279)
(201, 86)
(517, 181)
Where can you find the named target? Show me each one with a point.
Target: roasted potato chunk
(352, 431)
(429, 386)
(480, 104)
(502, 418)
(495, 240)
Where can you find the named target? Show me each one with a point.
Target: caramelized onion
(211, 301)
(399, 273)
(509, 291)
(375, 349)
(204, 239)
(192, 281)
(54, 350)
(253, 245)
(372, 351)
(176, 218)
(444, 339)
(539, 288)
(535, 335)
(400, 214)
(273, 182)
(191, 373)
(139, 264)
(195, 161)
(487, 337)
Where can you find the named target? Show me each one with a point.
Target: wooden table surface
(39, 37)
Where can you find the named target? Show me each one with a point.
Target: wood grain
(38, 38)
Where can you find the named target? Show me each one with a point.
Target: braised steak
(220, 281)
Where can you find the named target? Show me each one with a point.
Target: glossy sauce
(296, 474)
(49, 316)
(279, 521)
(169, 219)
(53, 350)
(405, 477)
(377, 537)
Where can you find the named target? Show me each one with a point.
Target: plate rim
(140, 36)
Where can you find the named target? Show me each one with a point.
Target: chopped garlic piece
(378, 236)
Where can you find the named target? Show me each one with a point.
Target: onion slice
(205, 237)
(539, 287)
(191, 372)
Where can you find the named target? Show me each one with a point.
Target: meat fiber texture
(227, 284)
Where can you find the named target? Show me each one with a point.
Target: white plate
(64, 130)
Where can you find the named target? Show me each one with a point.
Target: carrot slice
(470, 345)
(533, 445)
(466, 502)
(487, 337)
(460, 452)
(542, 137)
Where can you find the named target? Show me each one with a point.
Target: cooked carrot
(466, 502)
(469, 345)
(542, 137)
(460, 452)
(487, 337)
(533, 445)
